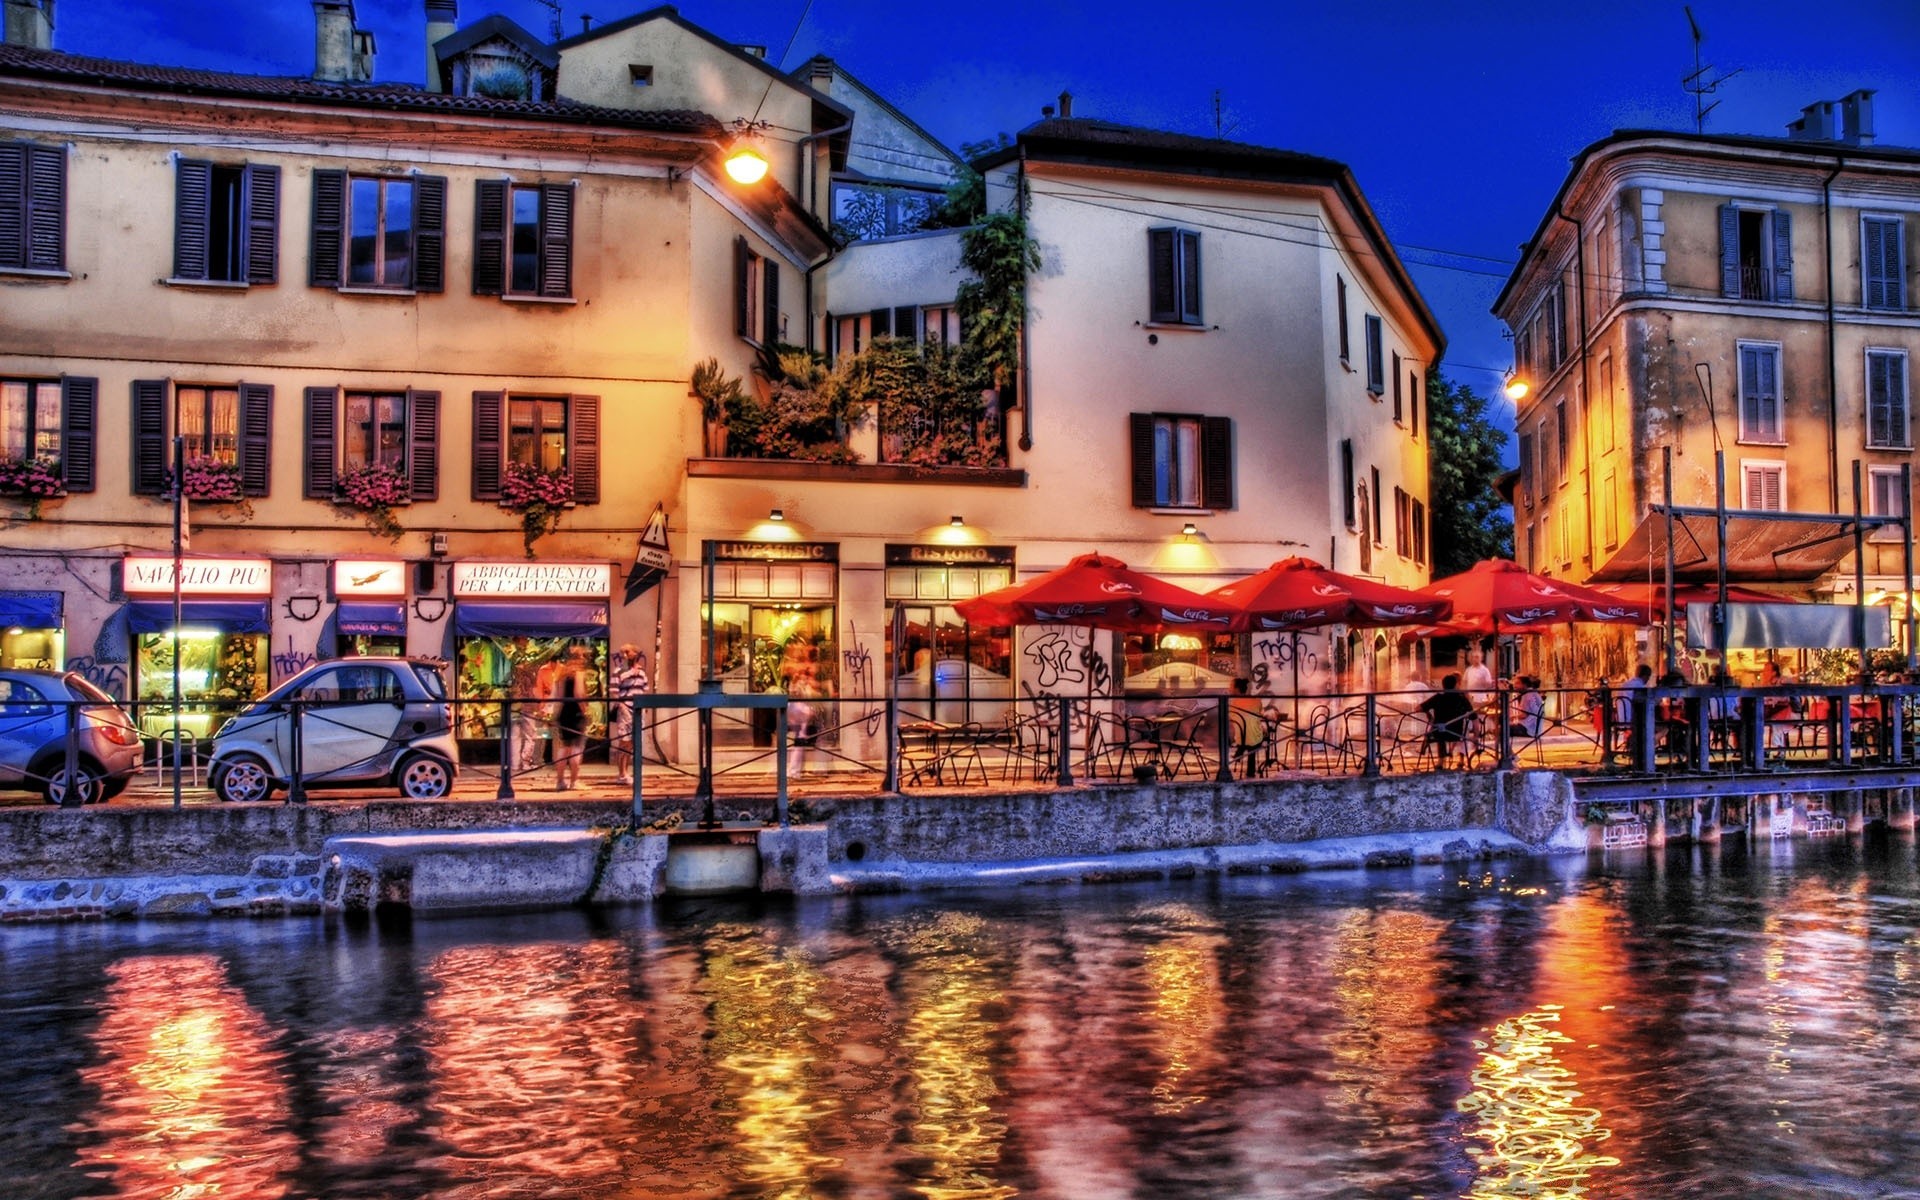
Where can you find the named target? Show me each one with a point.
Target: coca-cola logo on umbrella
(1118, 587)
(1192, 616)
(1069, 612)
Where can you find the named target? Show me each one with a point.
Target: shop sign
(778, 551)
(949, 556)
(369, 577)
(526, 579)
(143, 575)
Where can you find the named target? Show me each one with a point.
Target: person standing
(629, 681)
(1478, 677)
(572, 684)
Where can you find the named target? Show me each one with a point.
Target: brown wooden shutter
(770, 296)
(192, 192)
(1729, 251)
(328, 231)
(1163, 302)
(1140, 431)
(262, 202)
(583, 447)
(429, 233)
(46, 216)
(1189, 276)
(489, 440)
(323, 407)
(13, 205)
(79, 414)
(149, 437)
(489, 237)
(1216, 462)
(742, 279)
(556, 239)
(423, 445)
(256, 438)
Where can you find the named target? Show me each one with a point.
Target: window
(523, 239)
(1756, 253)
(1566, 539)
(864, 211)
(1399, 404)
(1376, 369)
(852, 334)
(940, 323)
(229, 422)
(1760, 419)
(1526, 469)
(30, 418)
(1413, 403)
(1885, 495)
(640, 75)
(1553, 315)
(1543, 446)
(1347, 509)
(1420, 532)
(1379, 534)
(372, 231)
(1532, 561)
(1888, 421)
(1609, 510)
(1173, 270)
(756, 298)
(552, 433)
(33, 207)
(1182, 461)
(354, 430)
(1883, 262)
(1340, 305)
(1402, 523)
(1561, 438)
(1763, 485)
(226, 222)
(1604, 418)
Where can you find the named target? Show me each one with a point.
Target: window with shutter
(534, 226)
(423, 445)
(1886, 496)
(149, 437)
(583, 447)
(1413, 404)
(1526, 469)
(262, 188)
(1756, 253)
(1376, 363)
(489, 443)
(1888, 421)
(1379, 533)
(385, 246)
(1216, 462)
(1764, 485)
(1340, 310)
(1399, 404)
(1173, 276)
(1419, 532)
(756, 295)
(1181, 461)
(1347, 484)
(327, 229)
(79, 414)
(1140, 430)
(770, 302)
(256, 438)
(31, 425)
(490, 237)
(1883, 262)
(429, 233)
(322, 473)
(226, 222)
(1760, 402)
(33, 207)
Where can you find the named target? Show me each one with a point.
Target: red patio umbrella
(1100, 592)
(1298, 593)
(1499, 596)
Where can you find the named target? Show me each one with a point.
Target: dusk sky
(1458, 119)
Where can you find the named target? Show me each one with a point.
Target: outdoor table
(924, 760)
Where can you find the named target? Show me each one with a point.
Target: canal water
(1731, 1022)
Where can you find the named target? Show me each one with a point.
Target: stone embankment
(473, 854)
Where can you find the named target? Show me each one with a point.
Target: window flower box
(376, 490)
(32, 480)
(538, 496)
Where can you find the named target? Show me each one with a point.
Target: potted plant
(717, 395)
(32, 480)
(376, 490)
(538, 496)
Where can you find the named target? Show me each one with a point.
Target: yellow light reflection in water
(1383, 968)
(948, 1047)
(192, 1100)
(1187, 1013)
(1536, 1135)
(769, 1024)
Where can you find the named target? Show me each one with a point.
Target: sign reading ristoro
(151, 575)
(522, 579)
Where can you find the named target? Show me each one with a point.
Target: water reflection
(1710, 1024)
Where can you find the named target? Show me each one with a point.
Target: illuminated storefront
(32, 630)
(943, 668)
(771, 615)
(221, 638)
(513, 623)
(370, 613)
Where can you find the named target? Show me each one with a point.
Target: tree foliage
(1470, 521)
(993, 304)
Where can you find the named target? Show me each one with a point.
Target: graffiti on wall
(1275, 662)
(109, 677)
(857, 665)
(292, 661)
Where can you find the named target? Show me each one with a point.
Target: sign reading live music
(152, 575)
(530, 580)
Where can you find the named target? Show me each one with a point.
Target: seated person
(1246, 720)
(1448, 712)
(1529, 709)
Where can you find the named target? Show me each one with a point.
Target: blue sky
(1458, 118)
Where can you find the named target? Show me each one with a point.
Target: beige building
(1694, 293)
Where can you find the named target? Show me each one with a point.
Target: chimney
(1849, 121)
(442, 17)
(342, 52)
(1815, 123)
(751, 50)
(29, 23)
(1066, 105)
(1856, 118)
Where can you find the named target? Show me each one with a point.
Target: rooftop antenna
(554, 28)
(1697, 84)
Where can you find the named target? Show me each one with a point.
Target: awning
(371, 616)
(533, 618)
(1760, 549)
(228, 616)
(31, 610)
(1791, 626)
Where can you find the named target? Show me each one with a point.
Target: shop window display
(948, 670)
(32, 649)
(1200, 662)
(219, 673)
(493, 669)
(759, 648)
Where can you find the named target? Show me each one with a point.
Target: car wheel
(424, 777)
(242, 779)
(86, 782)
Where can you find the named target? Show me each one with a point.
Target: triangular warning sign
(652, 558)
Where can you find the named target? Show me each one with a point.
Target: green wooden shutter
(429, 233)
(1216, 462)
(79, 415)
(323, 407)
(423, 445)
(261, 200)
(583, 447)
(256, 438)
(1140, 435)
(1729, 251)
(1163, 301)
(556, 239)
(328, 229)
(489, 443)
(149, 437)
(490, 237)
(192, 192)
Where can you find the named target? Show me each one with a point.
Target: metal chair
(163, 743)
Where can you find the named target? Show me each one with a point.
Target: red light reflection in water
(192, 1099)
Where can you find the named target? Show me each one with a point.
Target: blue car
(34, 707)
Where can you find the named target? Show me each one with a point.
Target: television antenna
(554, 29)
(1697, 84)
